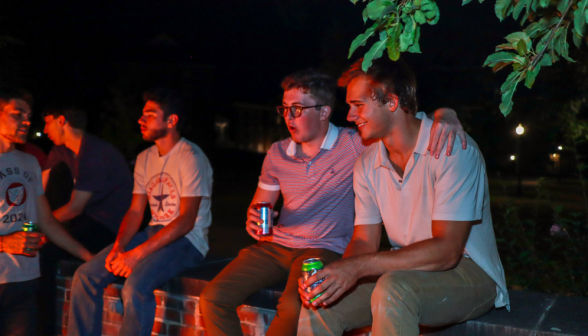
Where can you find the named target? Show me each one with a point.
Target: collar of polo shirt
(382, 159)
(327, 144)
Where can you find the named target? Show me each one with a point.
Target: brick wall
(174, 316)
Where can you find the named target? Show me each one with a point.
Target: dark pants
(18, 308)
(89, 232)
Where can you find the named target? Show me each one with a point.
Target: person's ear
(325, 112)
(393, 103)
(61, 121)
(172, 120)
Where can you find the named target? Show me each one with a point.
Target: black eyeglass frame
(295, 111)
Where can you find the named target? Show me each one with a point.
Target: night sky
(243, 50)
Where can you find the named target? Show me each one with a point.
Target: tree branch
(538, 57)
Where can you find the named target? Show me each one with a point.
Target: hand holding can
(309, 268)
(266, 213)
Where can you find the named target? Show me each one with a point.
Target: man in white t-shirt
(175, 178)
(22, 200)
(444, 267)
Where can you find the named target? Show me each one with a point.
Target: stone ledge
(533, 314)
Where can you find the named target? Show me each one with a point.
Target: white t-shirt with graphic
(183, 172)
(20, 185)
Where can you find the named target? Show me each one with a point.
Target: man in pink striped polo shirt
(313, 171)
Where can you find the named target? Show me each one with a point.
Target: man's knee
(215, 294)
(393, 287)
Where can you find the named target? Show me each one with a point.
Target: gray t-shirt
(20, 186)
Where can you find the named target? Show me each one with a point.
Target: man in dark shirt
(88, 184)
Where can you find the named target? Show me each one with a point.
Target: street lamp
(560, 147)
(519, 130)
(512, 158)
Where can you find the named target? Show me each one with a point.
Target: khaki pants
(258, 266)
(399, 301)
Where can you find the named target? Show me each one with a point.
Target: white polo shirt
(451, 188)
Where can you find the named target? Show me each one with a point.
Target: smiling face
(153, 124)
(305, 128)
(373, 121)
(15, 121)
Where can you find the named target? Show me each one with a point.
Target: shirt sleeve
(267, 179)
(460, 186)
(194, 176)
(366, 207)
(139, 174)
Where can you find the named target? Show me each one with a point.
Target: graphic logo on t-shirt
(13, 192)
(163, 197)
(16, 194)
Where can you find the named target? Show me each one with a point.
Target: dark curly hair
(387, 78)
(75, 116)
(320, 85)
(170, 101)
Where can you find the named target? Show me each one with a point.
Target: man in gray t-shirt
(22, 200)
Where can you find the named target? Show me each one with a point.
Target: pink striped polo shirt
(318, 209)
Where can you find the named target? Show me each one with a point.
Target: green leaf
(579, 20)
(545, 60)
(376, 8)
(519, 7)
(438, 15)
(533, 5)
(564, 46)
(508, 89)
(465, 2)
(535, 29)
(504, 46)
(375, 52)
(577, 38)
(525, 17)
(516, 37)
(354, 1)
(544, 3)
(361, 39)
(522, 48)
(501, 56)
(531, 75)
(511, 81)
(502, 7)
(542, 43)
(562, 5)
(558, 40)
(393, 44)
(407, 37)
(364, 15)
(419, 17)
(415, 48)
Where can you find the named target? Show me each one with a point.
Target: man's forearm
(431, 255)
(66, 213)
(60, 237)
(177, 229)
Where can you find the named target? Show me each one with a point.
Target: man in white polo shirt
(444, 267)
(312, 170)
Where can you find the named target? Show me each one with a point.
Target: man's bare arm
(365, 240)
(78, 201)
(56, 233)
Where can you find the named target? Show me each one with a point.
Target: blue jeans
(90, 280)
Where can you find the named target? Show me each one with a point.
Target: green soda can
(309, 268)
(30, 227)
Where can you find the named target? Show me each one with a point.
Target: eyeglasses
(295, 111)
